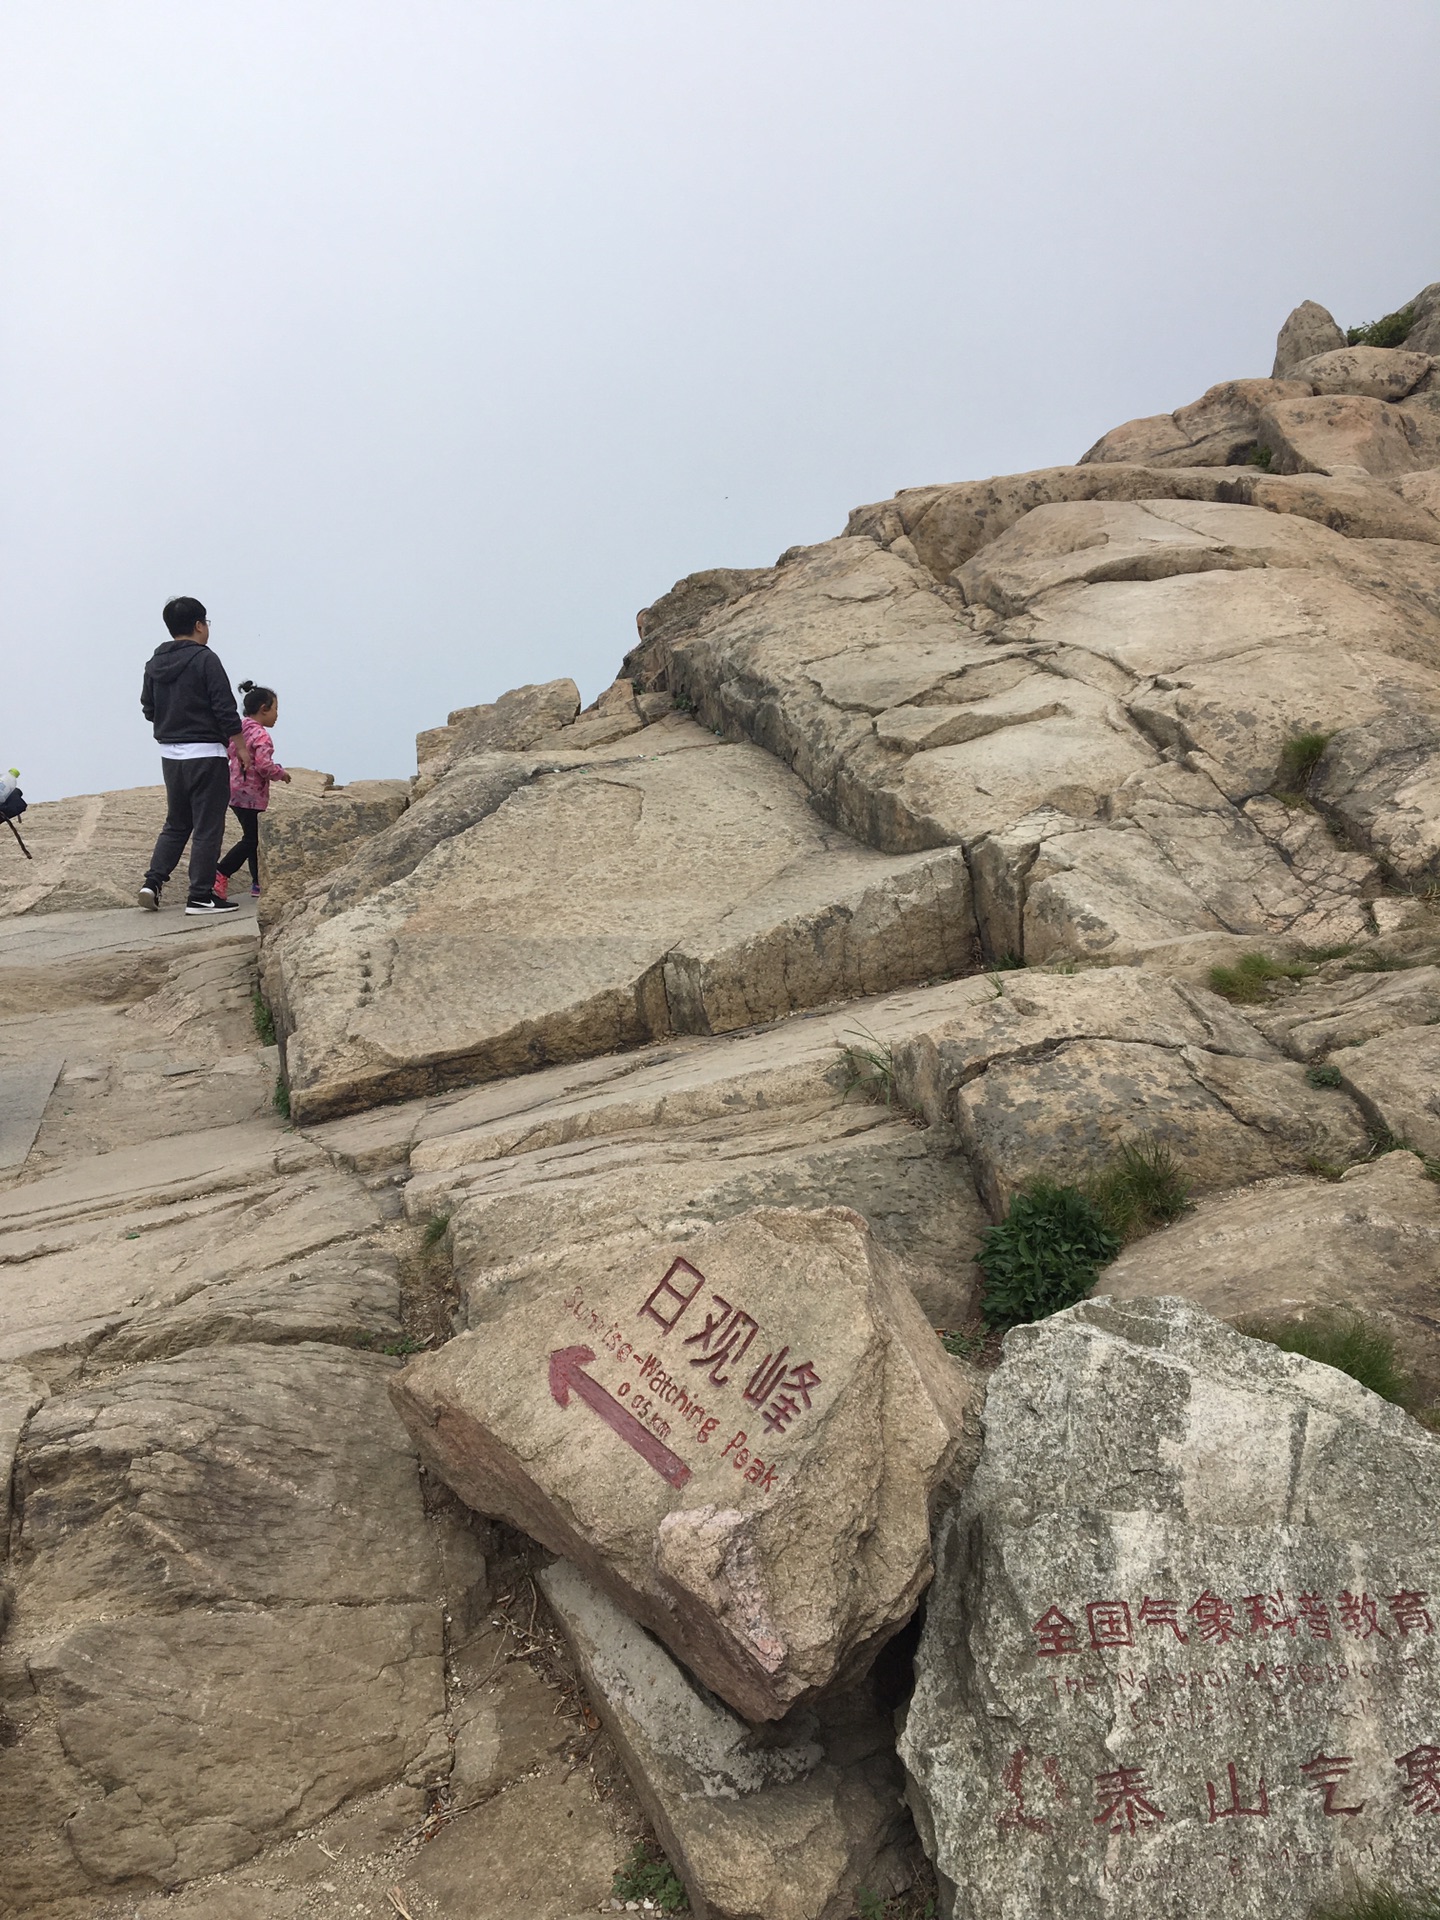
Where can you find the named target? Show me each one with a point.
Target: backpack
(13, 805)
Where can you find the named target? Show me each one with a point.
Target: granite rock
(753, 1482)
(1179, 1656)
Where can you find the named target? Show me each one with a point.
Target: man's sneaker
(150, 895)
(222, 887)
(210, 908)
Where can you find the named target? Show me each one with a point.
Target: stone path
(252, 1661)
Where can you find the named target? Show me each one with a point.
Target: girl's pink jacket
(252, 788)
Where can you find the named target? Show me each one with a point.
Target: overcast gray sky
(426, 340)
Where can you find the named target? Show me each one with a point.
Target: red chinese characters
(1325, 1773)
(1213, 1620)
(782, 1387)
(1054, 1633)
(1237, 1809)
(1109, 1622)
(1124, 1804)
(1421, 1768)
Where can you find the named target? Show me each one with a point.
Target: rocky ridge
(622, 1179)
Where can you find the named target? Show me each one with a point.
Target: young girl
(250, 787)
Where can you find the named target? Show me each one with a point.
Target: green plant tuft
(1252, 975)
(1261, 457)
(1380, 1902)
(1315, 955)
(914, 1905)
(1342, 1339)
(1007, 962)
(280, 1100)
(1299, 758)
(406, 1344)
(961, 1346)
(435, 1230)
(1323, 1076)
(1392, 330)
(869, 1067)
(1044, 1254)
(1143, 1190)
(263, 1018)
(1383, 963)
(648, 1875)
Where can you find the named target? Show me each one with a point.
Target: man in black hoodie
(186, 694)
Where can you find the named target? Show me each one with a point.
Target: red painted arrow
(566, 1364)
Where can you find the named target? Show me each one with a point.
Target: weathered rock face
(1369, 1242)
(788, 1823)
(304, 838)
(1048, 1075)
(515, 722)
(1311, 329)
(1179, 1656)
(737, 1437)
(1380, 373)
(690, 892)
(1218, 430)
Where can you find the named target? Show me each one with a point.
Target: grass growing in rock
(263, 1018)
(280, 1100)
(1392, 330)
(435, 1231)
(1380, 1902)
(1299, 758)
(1252, 976)
(1044, 1255)
(648, 1877)
(1047, 1252)
(1323, 1076)
(1144, 1189)
(1345, 1340)
(869, 1067)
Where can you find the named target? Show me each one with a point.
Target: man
(186, 694)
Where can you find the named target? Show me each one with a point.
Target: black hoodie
(186, 692)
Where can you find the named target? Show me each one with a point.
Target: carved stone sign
(1180, 1657)
(737, 1437)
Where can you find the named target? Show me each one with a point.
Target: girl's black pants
(247, 847)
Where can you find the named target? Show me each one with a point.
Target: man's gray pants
(198, 792)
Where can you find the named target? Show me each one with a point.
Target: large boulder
(1051, 1074)
(1381, 373)
(1287, 1249)
(516, 722)
(599, 907)
(1217, 430)
(736, 1435)
(1336, 431)
(226, 1620)
(1309, 330)
(1178, 1657)
(782, 1823)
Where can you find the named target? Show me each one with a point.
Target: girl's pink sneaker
(255, 891)
(221, 888)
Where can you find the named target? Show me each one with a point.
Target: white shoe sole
(209, 913)
(149, 901)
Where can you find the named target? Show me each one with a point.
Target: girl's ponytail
(256, 698)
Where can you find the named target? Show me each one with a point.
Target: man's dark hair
(182, 616)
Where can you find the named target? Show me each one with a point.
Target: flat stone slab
(688, 892)
(737, 1434)
(24, 1095)
(1179, 1660)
